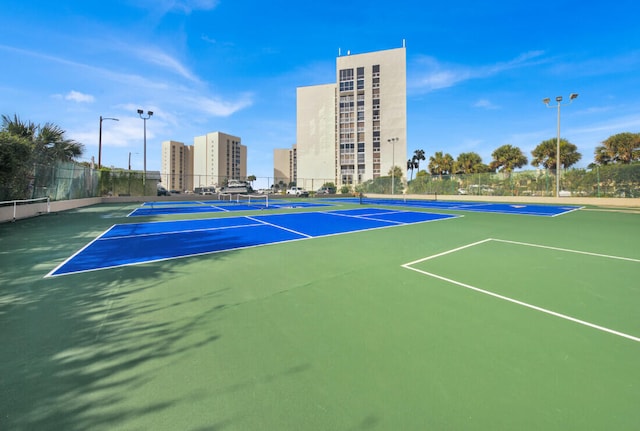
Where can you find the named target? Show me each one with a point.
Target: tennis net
(254, 200)
(398, 199)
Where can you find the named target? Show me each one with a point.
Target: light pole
(100, 139)
(546, 101)
(393, 164)
(141, 114)
(130, 159)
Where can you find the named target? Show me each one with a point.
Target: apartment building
(355, 129)
(177, 166)
(218, 157)
(285, 165)
(212, 159)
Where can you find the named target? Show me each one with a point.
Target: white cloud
(434, 75)
(76, 96)
(185, 6)
(207, 39)
(222, 108)
(164, 60)
(485, 104)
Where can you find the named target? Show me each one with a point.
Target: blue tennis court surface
(193, 207)
(136, 243)
(486, 207)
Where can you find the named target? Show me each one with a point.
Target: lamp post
(141, 114)
(546, 101)
(100, 139)
(393, 164)
(130, 159)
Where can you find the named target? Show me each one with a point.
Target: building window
(346, 80)
(346, 86)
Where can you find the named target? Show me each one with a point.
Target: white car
(298, 191)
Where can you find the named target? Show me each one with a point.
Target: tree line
(622, 148)
(23, 145)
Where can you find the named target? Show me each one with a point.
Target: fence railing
(620, 181)
(68, 180)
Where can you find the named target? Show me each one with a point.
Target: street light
(393, 164)
(100, 139)
(546, 101)
(149, 114)
(130, 159)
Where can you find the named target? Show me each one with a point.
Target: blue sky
(476, 71)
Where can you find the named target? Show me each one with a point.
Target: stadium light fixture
(546, 101)
(393, 164)
(145, 118)
(100, 139)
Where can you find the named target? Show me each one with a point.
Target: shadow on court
(73, 349)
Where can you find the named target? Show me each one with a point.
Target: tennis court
(129, 244)
(341, 317)
(484, 207)
(247, 203)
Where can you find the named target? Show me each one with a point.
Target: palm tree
(440, 164)
(545, 154)
(411, 165)
(17, 127)
(48, 141)
(507, 158)
(621, 148)
(417, 156)
(468, 163)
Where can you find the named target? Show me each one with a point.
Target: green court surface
(481, 322)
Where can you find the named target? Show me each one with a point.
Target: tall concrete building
(177, 166)
(356, 129)
(285, 165)
(218, 157)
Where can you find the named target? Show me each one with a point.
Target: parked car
(162, 191)
(298, 191)
(209, 190)
(326, 191)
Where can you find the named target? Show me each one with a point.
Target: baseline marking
(515, 301)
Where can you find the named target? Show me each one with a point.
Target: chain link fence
(68, 180)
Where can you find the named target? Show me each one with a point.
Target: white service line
(280, 227)
(178, 232)
(370, 216)
(629, 259)
(524, 304)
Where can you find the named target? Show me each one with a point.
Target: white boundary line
(178, 232)
(49, 274)
(264, 223)
(515, 301)
(567, 250)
